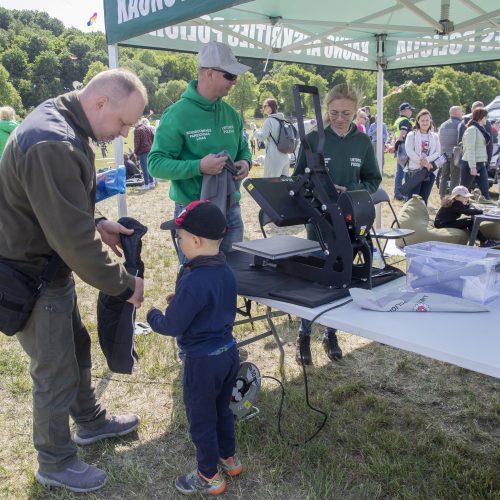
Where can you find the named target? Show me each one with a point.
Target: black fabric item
(447, 215)
(414, 180)
(20, 291)
(269, 283)
(115, 316)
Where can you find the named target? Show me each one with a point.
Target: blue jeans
(424, 188)
(481, 178)
(234, 233)
(143, 160)
(398, 181)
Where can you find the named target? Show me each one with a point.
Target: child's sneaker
(195, 482)
(231, 465)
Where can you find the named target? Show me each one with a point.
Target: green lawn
(399, 425)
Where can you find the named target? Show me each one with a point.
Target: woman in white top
(422, 147)
(276, 163)
(474, 166)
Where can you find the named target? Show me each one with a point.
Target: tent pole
(380, 116)
(122, 198)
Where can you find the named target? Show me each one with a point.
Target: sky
(74, 13)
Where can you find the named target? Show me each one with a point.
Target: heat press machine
(342, 220)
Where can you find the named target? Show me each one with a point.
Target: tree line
(40, 58)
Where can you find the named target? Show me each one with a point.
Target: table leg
(278, 341)
(474, 231)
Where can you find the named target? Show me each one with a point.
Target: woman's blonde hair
(447, 201)
(340, 91)
(7, 113)
(361, 114)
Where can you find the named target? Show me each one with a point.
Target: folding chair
(387, 233)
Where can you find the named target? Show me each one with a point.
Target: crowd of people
(465, 146)
(200, 146)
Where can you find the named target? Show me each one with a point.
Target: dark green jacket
(350, 159)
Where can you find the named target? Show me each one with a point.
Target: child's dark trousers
(208, 385)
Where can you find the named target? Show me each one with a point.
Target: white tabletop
(469, 340)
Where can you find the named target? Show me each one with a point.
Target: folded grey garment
(398, 301)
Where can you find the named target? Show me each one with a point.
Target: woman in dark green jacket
(352, 165)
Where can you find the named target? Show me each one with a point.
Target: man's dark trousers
(58, 345)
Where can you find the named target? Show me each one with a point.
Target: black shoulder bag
(19, 293)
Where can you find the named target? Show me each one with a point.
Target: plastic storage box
(472, 273)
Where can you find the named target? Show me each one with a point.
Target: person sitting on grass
(452, 209)
(131, 168)
(201, 315)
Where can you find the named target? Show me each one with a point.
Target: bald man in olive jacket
(47, 202)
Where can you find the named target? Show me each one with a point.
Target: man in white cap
(197, 127)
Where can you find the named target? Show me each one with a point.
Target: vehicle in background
(494, 109)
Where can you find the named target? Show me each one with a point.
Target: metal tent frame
(370, 35)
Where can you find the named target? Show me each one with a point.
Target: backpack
(457, 154)
(288, 137)
(402, 155)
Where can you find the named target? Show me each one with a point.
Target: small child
(201, 315)
(453, 207)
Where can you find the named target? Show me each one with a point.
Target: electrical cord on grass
(282, 399)
(306, 387)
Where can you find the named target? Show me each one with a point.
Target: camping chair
(245, 310)
(394, 232)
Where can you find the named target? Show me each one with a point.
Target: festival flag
(399, 89)
(92, 20)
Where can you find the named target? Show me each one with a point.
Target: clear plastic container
(472, 273)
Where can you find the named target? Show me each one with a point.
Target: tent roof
(331, 32)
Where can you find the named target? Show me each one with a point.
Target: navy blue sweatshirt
(202, 312)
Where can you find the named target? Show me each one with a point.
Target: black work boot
(303, 350)
(331, 346)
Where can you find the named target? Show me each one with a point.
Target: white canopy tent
(370, 35)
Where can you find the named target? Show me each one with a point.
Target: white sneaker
(152, 185)
(144, 187)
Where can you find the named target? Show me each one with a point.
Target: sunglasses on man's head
(226, 75)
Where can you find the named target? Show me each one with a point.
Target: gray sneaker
(78, 477)
(117, 425)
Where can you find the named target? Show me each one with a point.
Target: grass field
(399, 425)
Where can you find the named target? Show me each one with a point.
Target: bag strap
(270, 132)
(48, 273)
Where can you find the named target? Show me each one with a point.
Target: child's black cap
(201, 218)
